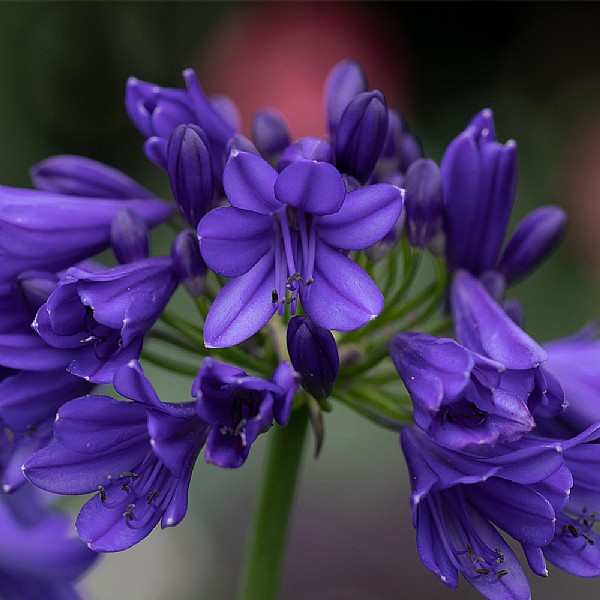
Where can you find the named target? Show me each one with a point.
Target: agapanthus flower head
(487, 387)
(138, 456)
(101, 317)
(459, 496)
(314, 355)
(39, 558)
(280, 240)
(240, 407)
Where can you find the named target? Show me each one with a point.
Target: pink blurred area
(277, 55)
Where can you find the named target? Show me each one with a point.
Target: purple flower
(240, 408)
(80, 176)
(138, 456)
(283, 234)
(458, 497)
(485, 388)
(574, 362)
(314, 355)
(129, 237)
(38, 556)
(101, 317)
(188, 263)
(47, 231)
(156, 111)
(479, 178)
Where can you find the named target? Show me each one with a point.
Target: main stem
(265, 547)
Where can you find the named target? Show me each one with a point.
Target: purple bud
(483, 123)
(240, 143)
(79, 176)
(190, 172)
(308, 148)
(226, 108)
(314, 355)
(534, 238)
(345, 81)
(129, 237)
(361, 135)
(423, 202)
(187, 262)
(270, 132)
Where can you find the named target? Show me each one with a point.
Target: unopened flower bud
(423, 202)
(308, 148)
(190, 172)
(129, 237)
(361, 135)
(534, 238)
(345, 81)
(187, 262)
(270, 132)
(314, 355)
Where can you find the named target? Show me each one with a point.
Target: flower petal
(315, 187)
(243, 306)
(233, 240)
(366, 216)
(342, 295)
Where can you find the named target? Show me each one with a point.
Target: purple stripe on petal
(249, 183)
(315, 187)
(366, 216)
(342, 296)
(243, 306)
(233, 240)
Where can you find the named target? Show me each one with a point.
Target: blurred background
(63, 68)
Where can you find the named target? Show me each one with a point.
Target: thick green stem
(266, 543)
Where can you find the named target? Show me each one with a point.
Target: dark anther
(483, 571)
(102, 494)
(151, 496)
(294, 277)
(128, 474)
(589, 539)
(125, 488)
(500, 558)
(128, 514)
(308, 281)
(274, 296)
(470, 550)
(573, 530)
(502, 573)
(585, 522)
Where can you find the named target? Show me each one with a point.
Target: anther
(502, 573)
(151, 496)
(274, 296)
(128, 514)
(589, 539)
(483, 571)
(102, 492)
(128, 474)
(125, 488)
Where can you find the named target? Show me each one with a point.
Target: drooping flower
(138, 456)
(48, 231)
(283, 234)
(239, 408)
(38, 556)
(84, 177)
(485, 388)
(101, 317)
(458, 497)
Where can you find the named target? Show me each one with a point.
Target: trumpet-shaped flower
(281, 239)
